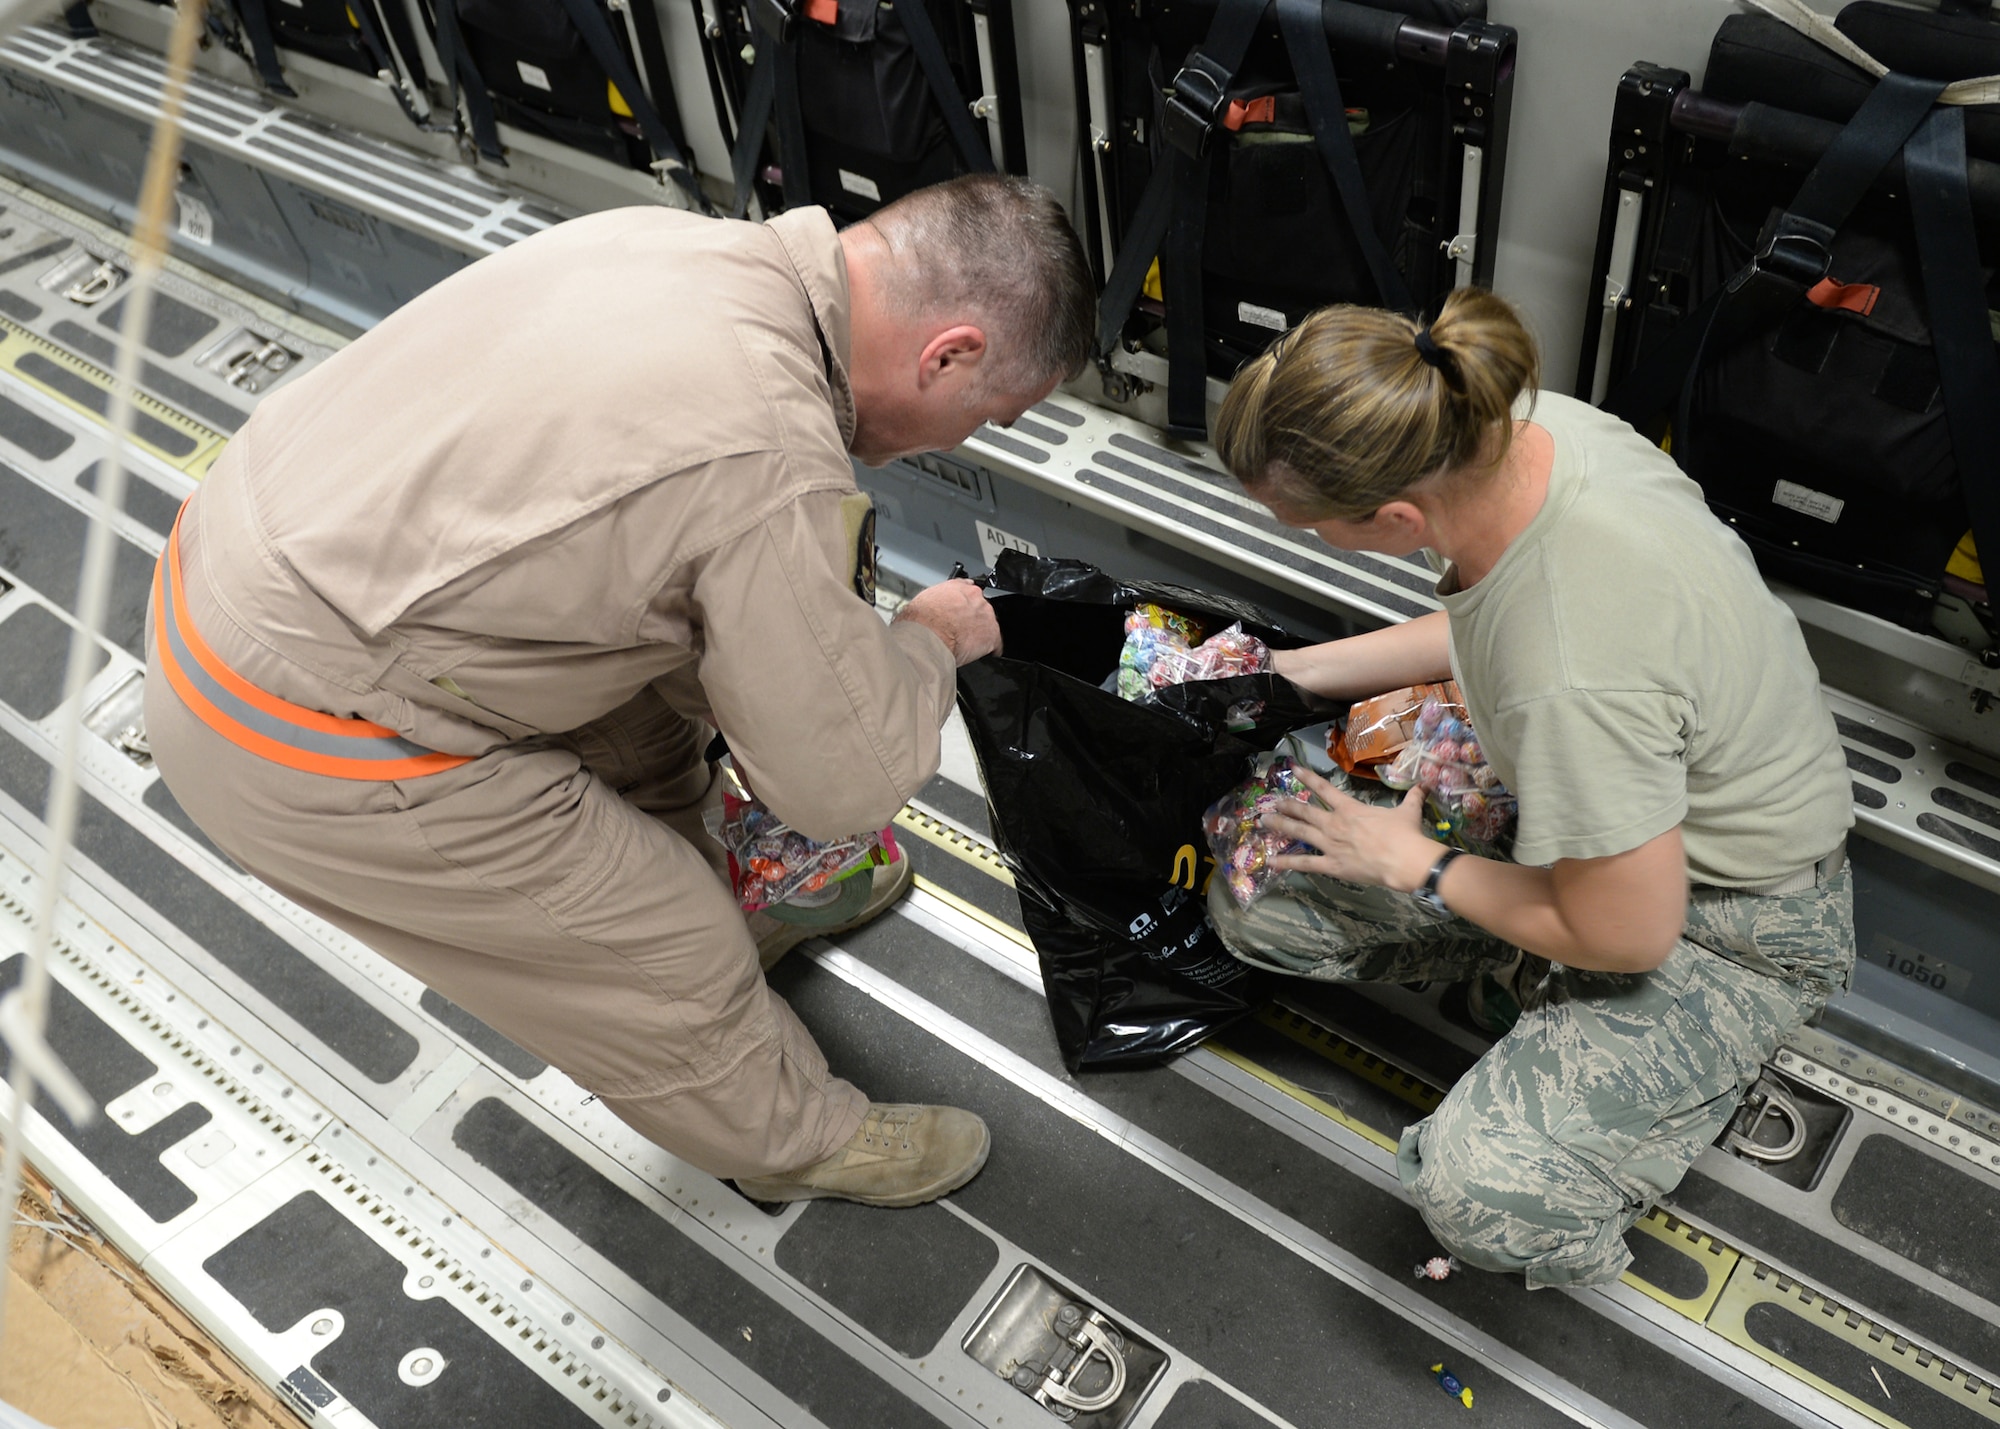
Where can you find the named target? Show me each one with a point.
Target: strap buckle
(775, 18)
(1794, 257)
(1195, 105)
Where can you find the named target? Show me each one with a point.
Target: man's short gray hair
(999, 249)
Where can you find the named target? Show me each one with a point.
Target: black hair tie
(1437, 357)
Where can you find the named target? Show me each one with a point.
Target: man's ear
(953, 355)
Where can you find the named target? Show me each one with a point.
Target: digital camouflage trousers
(1602, 1095)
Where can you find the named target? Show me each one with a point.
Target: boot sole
(783, 1193)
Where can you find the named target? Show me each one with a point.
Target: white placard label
(1261, 317)
(197, 224)
(533, 74)
(1808, 502)
(992, 541)
(860, 184)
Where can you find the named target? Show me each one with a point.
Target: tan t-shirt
(1627, 671)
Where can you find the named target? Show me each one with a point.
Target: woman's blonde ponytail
(1355, 406)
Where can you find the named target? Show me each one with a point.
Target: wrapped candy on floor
(1465, 802)
(1237, 839)
(770, 862)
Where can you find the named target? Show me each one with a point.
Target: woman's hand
(1357, 842)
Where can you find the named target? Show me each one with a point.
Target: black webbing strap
(1173, 208)
(1303, 25)
(598, 39)
(773, 93)
(965, 137)
(794, 166)
(1961, 333)
(754, 119)
(1795, 257)
(463, 75)
(263, 46)
(77, 22)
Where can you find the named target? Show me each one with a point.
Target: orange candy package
(1379, 727)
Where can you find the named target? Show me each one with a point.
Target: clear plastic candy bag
(1465, 803)
(1237, 839)
(1164, 647)
(770, 862)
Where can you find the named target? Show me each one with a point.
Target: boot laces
(890, 1125)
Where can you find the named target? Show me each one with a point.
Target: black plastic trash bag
(1097, 805)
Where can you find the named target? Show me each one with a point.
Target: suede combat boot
(857, 900)
(900, 1156)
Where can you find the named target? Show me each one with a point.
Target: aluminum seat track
(397, 1217)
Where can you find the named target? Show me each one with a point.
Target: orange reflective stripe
(242, 688)
(292, 735)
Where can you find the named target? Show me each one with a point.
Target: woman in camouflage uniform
(1678, 901)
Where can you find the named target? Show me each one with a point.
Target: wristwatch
(1428, 895)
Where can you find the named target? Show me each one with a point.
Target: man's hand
(957, 613)
(1357, 842)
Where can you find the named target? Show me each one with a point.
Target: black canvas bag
(1823, 430)
(566, 69)
(1096, 806)
(859, 102)
(1268, 170)
(364, 36)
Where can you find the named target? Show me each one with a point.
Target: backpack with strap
(1821, 351)
(567, 70)
(1248, 161)
(857, 102)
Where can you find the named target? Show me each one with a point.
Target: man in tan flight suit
(439, 645)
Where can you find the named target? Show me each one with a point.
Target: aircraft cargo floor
(397, 1217)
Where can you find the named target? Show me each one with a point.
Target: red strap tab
(1846, 297)
(1257, 111)
(823, 12)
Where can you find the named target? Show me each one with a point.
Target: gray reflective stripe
(312, 741)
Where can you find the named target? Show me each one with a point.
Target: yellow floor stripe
(1715, 1259)
(944, 836)
(1004, 929)
(1302, 1096)
(17, 342)
(1338, 1050)
(1905, 1370)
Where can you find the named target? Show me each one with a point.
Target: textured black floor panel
(503, 1049)
(326, 1007)
(16, 306)
(961, 805)
(1845, 1276)
(1633, 1375)
(41, 541)
(956, 876)
(87, 394)
(1920, 1404)
(174, 328)
(32, 433)
(109, 1066)
(1200, 1405)
(306, 1256)
(34, 651)
(144, 502)
(859, 1260)
(1192, 1275)
(182, 394)
(739, 1318)
(1369, 1103)
(1925, 1209)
